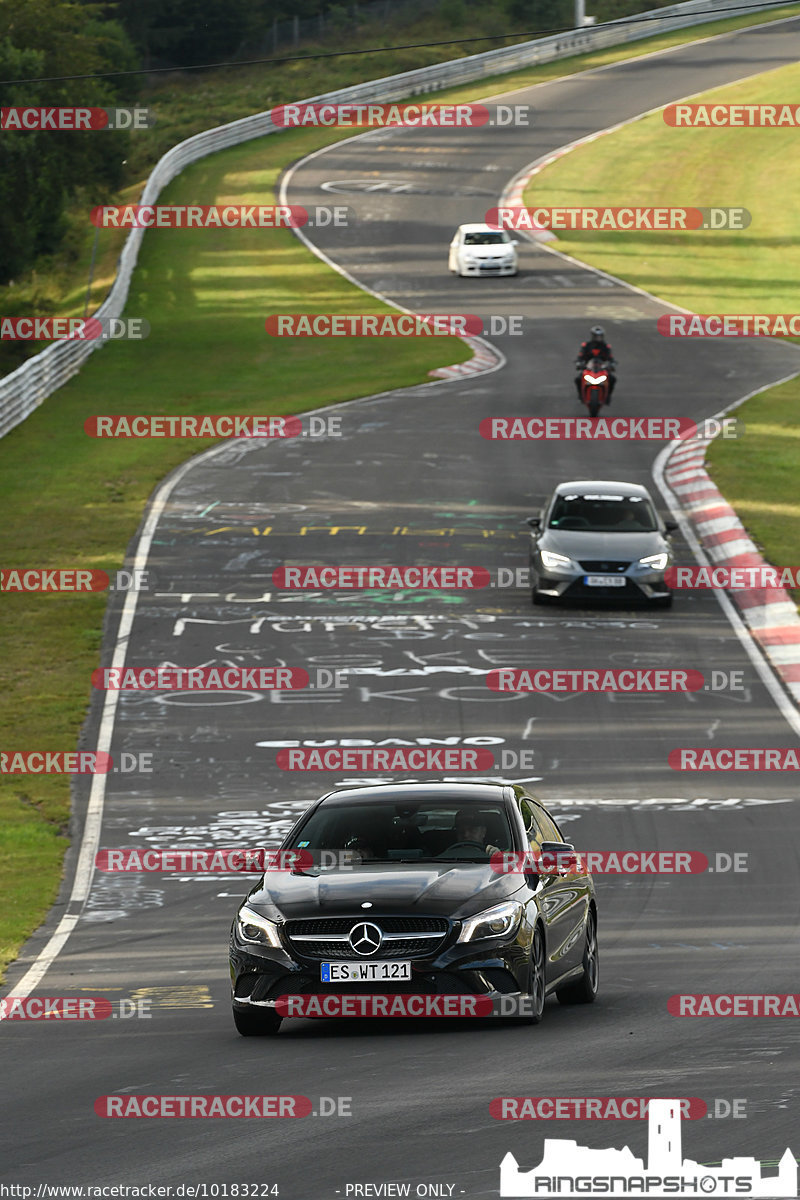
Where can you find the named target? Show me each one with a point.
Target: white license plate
(604, 580)
(365, 972)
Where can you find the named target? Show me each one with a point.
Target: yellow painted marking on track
(190, 995)
(364, 530)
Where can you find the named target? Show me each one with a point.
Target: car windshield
(485, 239)
(603, 513)
(399, 831)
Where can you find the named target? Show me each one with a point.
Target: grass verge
(758, 474)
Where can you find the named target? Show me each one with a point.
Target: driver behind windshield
(470, 833)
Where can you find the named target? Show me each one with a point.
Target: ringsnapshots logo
(568, 1169)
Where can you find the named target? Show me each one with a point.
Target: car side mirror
(559, 859)
(671, 526)
(534, 522)
(513, 242)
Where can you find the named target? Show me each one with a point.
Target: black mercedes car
(399, 893)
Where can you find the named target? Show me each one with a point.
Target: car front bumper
(489, 268)
(260, 976)
(567, 585)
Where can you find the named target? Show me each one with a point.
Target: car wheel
(258, 1023)
(663, 602)
(538, 598)
(538, 982)
(585, 990)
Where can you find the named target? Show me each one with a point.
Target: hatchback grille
(605, 566)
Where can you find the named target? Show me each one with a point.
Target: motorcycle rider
(596, 346)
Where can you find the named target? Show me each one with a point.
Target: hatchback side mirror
(534, 522)
(671, 526)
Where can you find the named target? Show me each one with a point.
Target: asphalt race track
(410, 480)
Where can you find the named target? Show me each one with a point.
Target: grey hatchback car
(600, 538)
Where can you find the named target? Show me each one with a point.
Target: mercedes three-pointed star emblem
(365, 938)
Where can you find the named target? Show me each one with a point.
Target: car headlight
(551, 560)
(656, 561)
(252, 927)
(499, 921)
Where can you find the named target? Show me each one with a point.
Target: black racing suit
(595, 348)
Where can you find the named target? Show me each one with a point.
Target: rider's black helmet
(598, 333)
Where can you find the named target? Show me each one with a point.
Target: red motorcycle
(595, 382)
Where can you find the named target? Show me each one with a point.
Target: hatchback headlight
(499, 921)
(553, 561)
(252, 927)
(656, 561)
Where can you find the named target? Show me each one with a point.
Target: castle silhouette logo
(568, 1169)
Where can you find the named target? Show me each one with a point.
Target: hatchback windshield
(485, 239)
(603, 514)
(406, 832)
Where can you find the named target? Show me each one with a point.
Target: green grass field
(650, 163)
(77, 502)
(758, 475)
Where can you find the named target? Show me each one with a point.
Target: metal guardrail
(26, 388)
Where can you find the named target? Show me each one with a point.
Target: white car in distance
(482, 250)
